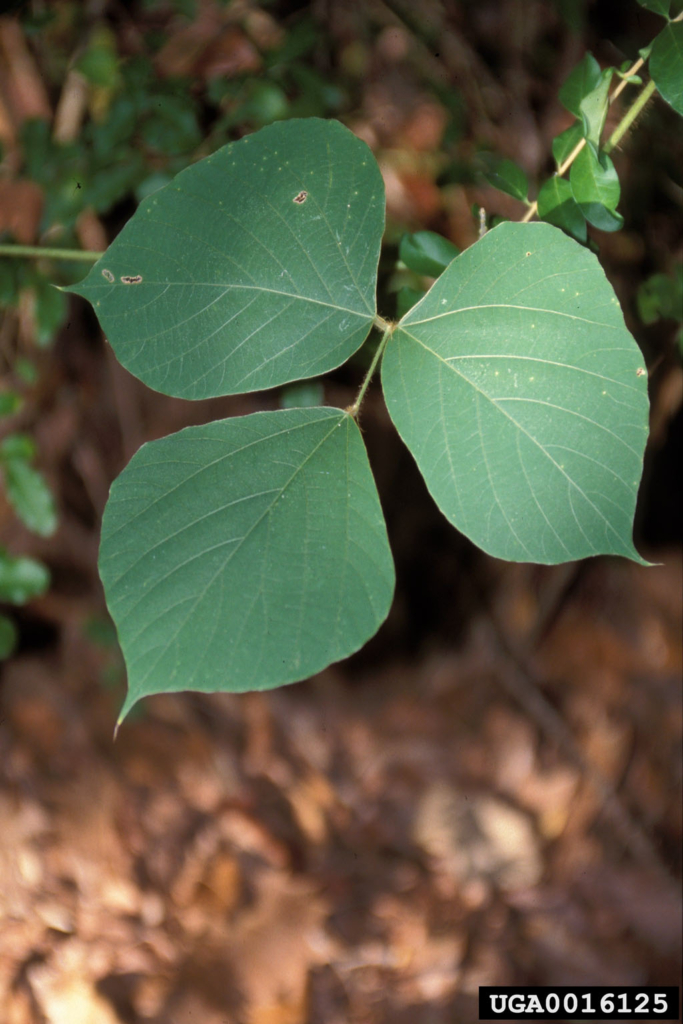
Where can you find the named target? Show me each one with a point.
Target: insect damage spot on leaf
(128, 279)
(640, 372)
(301, 197)
(107, 275)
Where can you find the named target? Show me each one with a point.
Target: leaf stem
(44, 252)
(388, 329)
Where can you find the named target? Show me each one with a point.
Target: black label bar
(584, 1002)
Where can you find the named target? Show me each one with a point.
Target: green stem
(44, 252)
(388, 331)
(629, 117)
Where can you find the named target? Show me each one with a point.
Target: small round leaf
(595, 185)
(425, 252)
(556, 205)
(21, 578)
(581, 81)
(508, 177)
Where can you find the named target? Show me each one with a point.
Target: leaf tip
(123, 714)
(639, 560)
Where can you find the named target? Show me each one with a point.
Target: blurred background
(490, 792)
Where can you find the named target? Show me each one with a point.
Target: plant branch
(44, 252)
(388, 329)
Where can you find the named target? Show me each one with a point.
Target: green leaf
(573, 12)
(425, 252)
(267, 102)
(10, 402)
(658, 6)
(556, 205)
(172, 127)
(566, 142)
(622, 72)
(110, 183)
(595, 185)
(8, 636)
(99, 63)
(254, 267)
(245, 554)
(21, 578)
(523, 398)
(152, 183)
(406, 297)
(26, 370)
(666, 65)
(17, 446)
(593, 108)
(30, 497)
(661, 297)
(302, 396)
(508, 177)
(52, 307)
(582, 80)
(9, 292)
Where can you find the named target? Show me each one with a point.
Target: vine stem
(629, 117)
(50, 254)
(388, 329)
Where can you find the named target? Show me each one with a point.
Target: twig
(43, 252)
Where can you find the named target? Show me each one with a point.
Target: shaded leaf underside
(523, 398)
(254, 267)
(245, 554)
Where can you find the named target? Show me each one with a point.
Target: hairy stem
(629, 117)
(388, 329)
(44, 252)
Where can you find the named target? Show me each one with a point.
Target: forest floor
(366, 847)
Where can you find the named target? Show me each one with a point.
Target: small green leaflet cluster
(252, 552)
(591, 193)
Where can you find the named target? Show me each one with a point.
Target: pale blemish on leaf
(301, 197)
(131, 279)
(108, 276)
